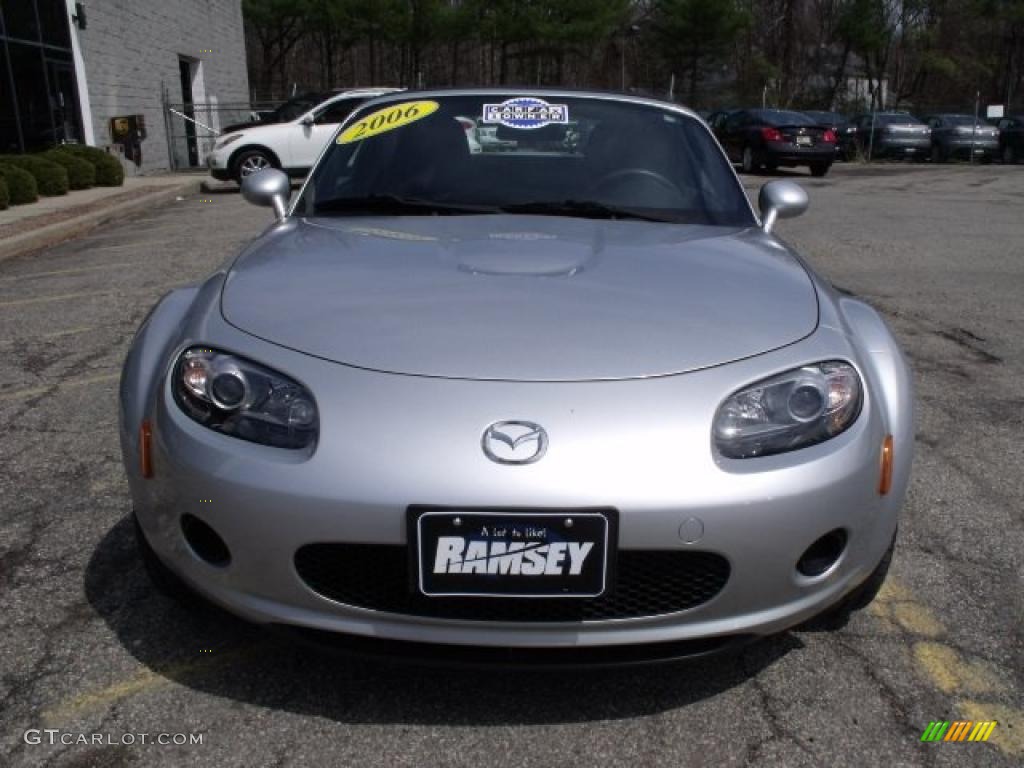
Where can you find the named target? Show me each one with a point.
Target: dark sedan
(770, 138)
(844, 130)
(892, 134)
(1011, 138)
(963, 136)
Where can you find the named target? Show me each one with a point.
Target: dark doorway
(185, 69)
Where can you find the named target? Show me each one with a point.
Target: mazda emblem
(515, 442)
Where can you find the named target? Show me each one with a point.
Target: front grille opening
(648, 583)
(822, 554)
(205, 541)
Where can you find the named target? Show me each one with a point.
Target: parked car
(841, 126)
(289, 110)
(770, 138)
(1011, 138)
(962, 136)
(716, 121)
(892, 134)
(292, 145)
(582, 402)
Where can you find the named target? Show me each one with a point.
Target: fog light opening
(205, 542)
(822, 554)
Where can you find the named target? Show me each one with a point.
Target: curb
(45, 237)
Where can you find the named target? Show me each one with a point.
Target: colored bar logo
(958, 730)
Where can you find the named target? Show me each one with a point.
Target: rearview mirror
(268, 187)
(780, 200)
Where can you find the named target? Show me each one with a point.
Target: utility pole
(974, 130)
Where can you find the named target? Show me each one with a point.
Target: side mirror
(268, 187)
(780, 200)
(307, 121)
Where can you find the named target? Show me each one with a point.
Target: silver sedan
(569, 397)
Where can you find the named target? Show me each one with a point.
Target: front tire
(1009, 155)
(938, 156)
(820, 169)
(249, 162)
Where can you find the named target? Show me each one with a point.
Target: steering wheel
(615, 178)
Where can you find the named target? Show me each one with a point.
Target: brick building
(87, 71)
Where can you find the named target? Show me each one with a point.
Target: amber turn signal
(885, 474)
(145, 449)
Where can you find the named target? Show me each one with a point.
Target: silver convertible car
(560, 392)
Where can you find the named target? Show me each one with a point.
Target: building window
(38, 96)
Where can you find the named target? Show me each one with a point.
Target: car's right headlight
(792, 410)
(243, 399)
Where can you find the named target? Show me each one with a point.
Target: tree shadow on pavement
(208, 650)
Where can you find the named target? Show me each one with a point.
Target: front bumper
(902, 147)
(966, 147)
(641, 447)
(217, 162)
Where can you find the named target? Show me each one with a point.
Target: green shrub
(109, 172)
(51, 179)
(81, 173)
(20, 184)
(5, 196)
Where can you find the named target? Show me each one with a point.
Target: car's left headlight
(244, 399)
(227, 140)
(789, 411)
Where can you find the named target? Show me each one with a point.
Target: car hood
(527, 298)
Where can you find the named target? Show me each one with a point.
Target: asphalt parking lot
(88, 648)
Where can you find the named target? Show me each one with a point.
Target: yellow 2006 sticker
(387, 119)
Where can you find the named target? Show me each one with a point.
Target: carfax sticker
(525, 112)
(387, 119)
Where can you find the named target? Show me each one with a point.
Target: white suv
(292, 146)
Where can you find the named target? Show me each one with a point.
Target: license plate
(512, 554)
(803, 141)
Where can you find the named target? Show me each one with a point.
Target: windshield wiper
(587, 209)
(395, 204)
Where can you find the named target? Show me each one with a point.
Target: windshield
(297, 107)
(500, 153)
(960, 119)
(827, 117)
(780, 117)
(894, 119)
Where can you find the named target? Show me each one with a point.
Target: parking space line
(896, 608)
(144, 681)
(1008, 736)
(68, 332)
(58, 272)
(53, 335)
(147, 246)
(82, 382)
(60, 297)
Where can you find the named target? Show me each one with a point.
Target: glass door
(67, 120)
